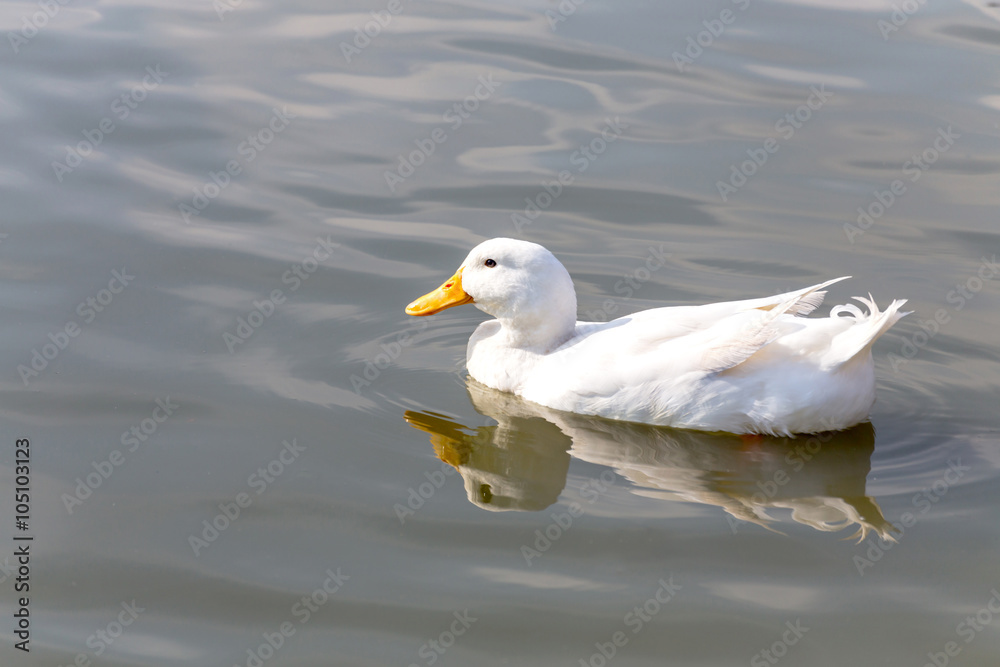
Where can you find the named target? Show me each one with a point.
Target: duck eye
(490, 263)
(485, 492)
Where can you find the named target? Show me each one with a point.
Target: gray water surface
(243, 452)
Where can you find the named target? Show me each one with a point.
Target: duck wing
(664, 345)
(745, 325)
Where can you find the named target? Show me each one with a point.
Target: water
(251, 354)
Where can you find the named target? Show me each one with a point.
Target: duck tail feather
(808, 303)
(867, 328)
(804, 301)
(732, 347)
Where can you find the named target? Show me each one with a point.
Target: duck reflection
(521, 464)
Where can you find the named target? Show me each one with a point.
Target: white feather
(752, 366)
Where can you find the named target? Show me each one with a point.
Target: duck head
(520, 283)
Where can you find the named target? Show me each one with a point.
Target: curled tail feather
(867, 328)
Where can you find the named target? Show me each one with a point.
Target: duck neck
(541, 329)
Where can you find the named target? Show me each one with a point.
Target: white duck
(749, 366)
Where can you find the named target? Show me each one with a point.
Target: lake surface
(243, 452)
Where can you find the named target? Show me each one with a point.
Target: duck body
(751, 366)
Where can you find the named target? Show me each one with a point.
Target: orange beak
(448, 295)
